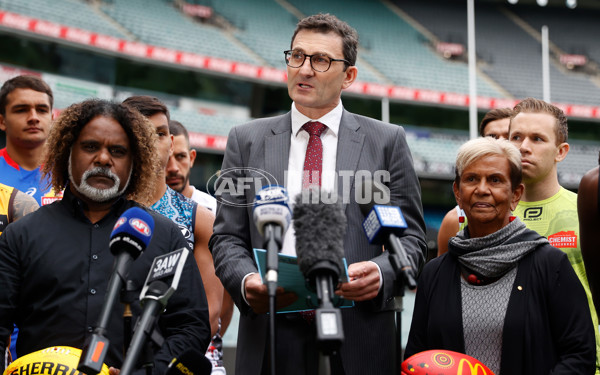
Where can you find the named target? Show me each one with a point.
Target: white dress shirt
(298, 145)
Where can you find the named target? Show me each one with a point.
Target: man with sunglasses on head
(320, 64)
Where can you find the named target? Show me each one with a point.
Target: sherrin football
(443, 362)
(55, 360)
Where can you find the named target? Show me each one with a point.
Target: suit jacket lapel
(350, 144)
(277, 149)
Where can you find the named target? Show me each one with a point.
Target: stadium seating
(392, 51)
(270, 39)
(66, 12)
(397, 49)
(206, 124)
(508, 54)
(579, 37)
(161, 23)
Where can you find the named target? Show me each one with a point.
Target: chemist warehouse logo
(563, 239)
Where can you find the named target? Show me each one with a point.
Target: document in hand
(292, 280)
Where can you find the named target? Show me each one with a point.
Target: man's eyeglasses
(319, 62)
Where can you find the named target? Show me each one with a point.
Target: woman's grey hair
(478, 148)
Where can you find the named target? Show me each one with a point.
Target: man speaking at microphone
(318, 137)
(55, 264)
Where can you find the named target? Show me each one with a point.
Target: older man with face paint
(55, 263)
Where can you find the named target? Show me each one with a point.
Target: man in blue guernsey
(25, 116)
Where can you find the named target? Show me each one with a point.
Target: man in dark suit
(273, 150)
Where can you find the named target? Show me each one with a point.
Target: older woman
(501, 294)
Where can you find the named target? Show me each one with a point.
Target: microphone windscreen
(132, 232)
(320, 228)
(373, 193)
(271, 207)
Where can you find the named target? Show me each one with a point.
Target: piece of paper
(292, 280)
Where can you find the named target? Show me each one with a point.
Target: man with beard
(55, 263)
(180, 166)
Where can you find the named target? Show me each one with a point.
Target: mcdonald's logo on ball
(443, 362)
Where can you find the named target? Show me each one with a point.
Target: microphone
(130, 236)
(383, 224)
(320, 230)
(272, 216)
(190, 362)
(160, 284)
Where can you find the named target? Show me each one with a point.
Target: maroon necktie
(313, 161)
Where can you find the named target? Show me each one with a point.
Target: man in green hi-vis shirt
(539, 130)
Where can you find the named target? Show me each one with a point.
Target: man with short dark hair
(25, 116)
(319, 144)
(540, 131)
(195, 221)
(180, 166)
(55, 263)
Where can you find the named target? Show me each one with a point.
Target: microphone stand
(145, 326)
(400, 264)
(272, 244)
(128, 295)
(328, 318)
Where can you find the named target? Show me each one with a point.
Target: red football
(443, 362)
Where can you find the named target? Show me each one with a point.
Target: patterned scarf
(497, 253)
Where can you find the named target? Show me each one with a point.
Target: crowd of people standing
(513, 286)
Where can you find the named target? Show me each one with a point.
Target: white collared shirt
(298, 145)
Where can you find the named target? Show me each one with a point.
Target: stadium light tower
(472, 71)
(545, 64)
(571, 4)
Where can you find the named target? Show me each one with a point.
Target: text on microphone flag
(272, 194)
(390, 216)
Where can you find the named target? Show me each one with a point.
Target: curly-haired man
(55, 262)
